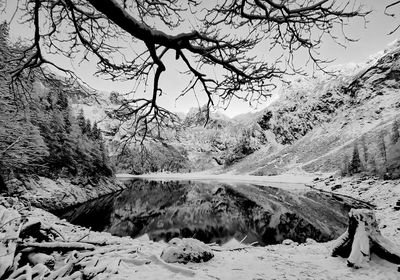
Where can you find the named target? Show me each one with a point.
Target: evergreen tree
(355, 164)
(42, 136)
(372, 164)
(71, 145)
(62, 101)
(81, 120)
(382, 147)
(88, 129)
(365, 149)
(96, 133)
(345, 166)
(4, 49)
(395, 132)
(21, 145)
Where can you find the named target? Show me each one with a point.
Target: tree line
(382, 161)
(39, 134)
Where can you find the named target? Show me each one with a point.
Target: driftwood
(41, 258)
(59, 246)
(30, 249)
(362, 238)
(39, 271)
(10, 224)
(64, 270)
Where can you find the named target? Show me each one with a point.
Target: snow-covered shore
(305, 261)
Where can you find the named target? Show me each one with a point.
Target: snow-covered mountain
(320, 122)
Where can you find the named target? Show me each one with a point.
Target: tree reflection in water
(215, 212)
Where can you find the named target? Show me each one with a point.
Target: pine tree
(96, 133)
(395, 132)
(345, 166)
(372, 164)
(81, 120)
(4, 49)
(382, 147)
(355, 165)
(42, 136)
(88, 128)
(365, 149)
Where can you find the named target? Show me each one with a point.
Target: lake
(215, 212)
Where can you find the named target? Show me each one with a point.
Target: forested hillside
(39, 133)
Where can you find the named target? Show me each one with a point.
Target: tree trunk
(362, 238)
(3, 186)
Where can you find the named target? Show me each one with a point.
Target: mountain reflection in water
(214, 212)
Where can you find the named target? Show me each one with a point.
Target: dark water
(215, 212)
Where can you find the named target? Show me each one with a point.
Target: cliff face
(321, 122)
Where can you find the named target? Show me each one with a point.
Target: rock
(335, 187)
(310, 241)
(15, 187)
(186, 250)
(287, 242)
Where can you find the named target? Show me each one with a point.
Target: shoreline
(57, 194)
(310, 260)
(286, 181)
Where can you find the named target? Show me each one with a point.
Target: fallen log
(58, 246)
(362, 238)
(102, 251)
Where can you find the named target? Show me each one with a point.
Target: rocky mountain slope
(320, 123)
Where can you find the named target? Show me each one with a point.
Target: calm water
(214, 212)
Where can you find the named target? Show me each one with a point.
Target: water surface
(215, 212)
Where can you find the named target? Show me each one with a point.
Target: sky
(372, 37)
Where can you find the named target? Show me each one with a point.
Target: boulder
(15, 187)
(186, 250)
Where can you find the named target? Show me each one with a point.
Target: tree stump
(362, 238)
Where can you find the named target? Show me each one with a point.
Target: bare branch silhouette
(226, 36)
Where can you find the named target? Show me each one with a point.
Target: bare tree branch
(391, 5)
(228, 37)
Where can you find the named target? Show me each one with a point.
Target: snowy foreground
(237, 261)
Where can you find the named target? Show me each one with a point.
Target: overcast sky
(371, 39)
